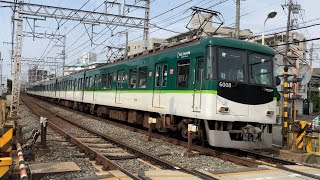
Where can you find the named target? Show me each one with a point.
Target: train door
(120, 85)
(160, 84)
(197, 83)
(75, 83)
(96, 83)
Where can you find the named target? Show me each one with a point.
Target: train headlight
(270, 113)
(224, 109)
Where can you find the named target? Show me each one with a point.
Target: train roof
(214, 41)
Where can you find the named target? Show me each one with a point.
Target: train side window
(90, 83)
(109, 83)
(96, 81)
(120, 82)
(199, 72)
(104, 81)
(164, 75)
(133, 78)
(74, 84)
(86, 82)
(158, 69)
(183, 73)
(143, 77)
(210, 63)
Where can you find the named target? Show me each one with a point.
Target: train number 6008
(224, 84)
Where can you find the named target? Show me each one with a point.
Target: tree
(315, 99)
(9, 84)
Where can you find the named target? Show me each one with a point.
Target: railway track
(104, 149)
(248, 158)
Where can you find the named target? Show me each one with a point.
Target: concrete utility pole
(127, 44)
(286, 59)
(146, 25)
(309, 85)
(237, 19)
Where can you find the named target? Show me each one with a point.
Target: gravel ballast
(57, 148)
(167, 151)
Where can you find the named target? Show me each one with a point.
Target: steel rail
(143, 155)
(223, 154)
(202, 150)
(106, 163)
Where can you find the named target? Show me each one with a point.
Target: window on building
(133, 78)
(183, 73)
(143, 77)
(156, 44)
(164, 75)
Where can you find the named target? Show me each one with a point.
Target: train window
(120, 79)
(104, 81)
(260, 69)
(86, 82)
(109, 83)
(158, 69)
(232, 65)
(210, 62)
(199, 72)
(143, 77)
(183, 73)
(133, 78)
(96, 81)
(164, 75)
(90, 82)
(75, 84)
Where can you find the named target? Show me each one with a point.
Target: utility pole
(146, 25)
(309, 84)
(127, 45)
(64, 54)
(286, 59)
(12, 33)
(237, 19)
(17, 64)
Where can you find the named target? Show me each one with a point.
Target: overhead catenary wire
(149, 33)
(61, 26)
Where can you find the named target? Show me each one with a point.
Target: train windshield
(232, 65)
(260, 69)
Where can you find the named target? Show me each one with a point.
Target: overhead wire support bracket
(198, 11)
(85, 16)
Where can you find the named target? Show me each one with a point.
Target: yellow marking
(5, 161)
(285, 104)
(285, 84)
(6, 138)
(285, 95)
(309, 144)
(285, 124)
(4, 165)
(3, 171)
(285, 114)
(285, 72)
(299, 139)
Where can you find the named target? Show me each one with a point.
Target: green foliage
(9, 84)
(315, 99)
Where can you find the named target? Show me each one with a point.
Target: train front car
(245, 103)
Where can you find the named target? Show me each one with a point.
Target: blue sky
(254, 13)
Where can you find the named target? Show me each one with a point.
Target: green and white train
(224, 86)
